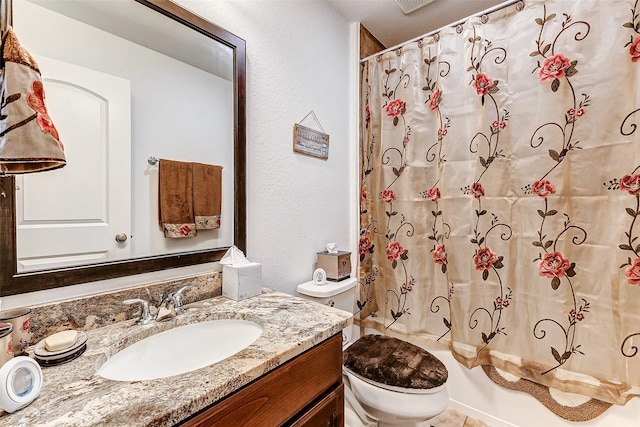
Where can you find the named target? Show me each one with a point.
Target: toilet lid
(394, 362)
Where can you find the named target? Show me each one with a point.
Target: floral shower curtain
(500, 180)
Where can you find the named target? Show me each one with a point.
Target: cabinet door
(329, 412)
(275, 398)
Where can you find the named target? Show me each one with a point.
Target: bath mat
(572, 407)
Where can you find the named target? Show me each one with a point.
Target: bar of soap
(60, 340)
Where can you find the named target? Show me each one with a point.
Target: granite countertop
(73, 394)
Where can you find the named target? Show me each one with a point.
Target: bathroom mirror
(185, 78)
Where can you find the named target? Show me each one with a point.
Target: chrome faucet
(166, 308)
(169, 307)
(145, 314)
(177, 299)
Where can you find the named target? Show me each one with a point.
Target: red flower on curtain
(634, 49)
(482, 83)
(394, 108)
(394, 250)
(185, 230)
(485, 258)
(477, 190)
(579, 316)
(434, 102)
(365, 245)
(35, 99)
(497, 125)
(553, 67)
(633, 272)
(440, 255)
(630, 184)
(433, 194)
(572, 112)
(502, 303)
(553, 264)
(388, 196)
(543, 188)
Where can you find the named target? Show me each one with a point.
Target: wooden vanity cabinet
(306, 391)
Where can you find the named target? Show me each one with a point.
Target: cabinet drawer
(280, 394)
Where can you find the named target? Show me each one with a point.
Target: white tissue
(234, 257)
(331, 248)
(241, 278)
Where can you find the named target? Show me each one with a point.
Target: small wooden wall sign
(310, 142)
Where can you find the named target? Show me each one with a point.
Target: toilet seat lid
(394, 362)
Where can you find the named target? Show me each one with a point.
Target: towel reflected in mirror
(190, 197)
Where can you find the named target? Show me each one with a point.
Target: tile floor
(448, 418)
(453, 418)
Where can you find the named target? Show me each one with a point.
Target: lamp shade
(29, 142)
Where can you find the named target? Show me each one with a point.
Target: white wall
(298, 60)
(298, 56)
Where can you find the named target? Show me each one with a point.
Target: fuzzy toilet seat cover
(394, 362)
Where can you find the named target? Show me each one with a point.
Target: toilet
(388, 381)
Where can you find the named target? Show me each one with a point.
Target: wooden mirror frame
(13, 282)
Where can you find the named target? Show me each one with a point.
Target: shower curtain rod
(460, 21)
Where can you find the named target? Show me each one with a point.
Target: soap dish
(41, 351)
(63, 358)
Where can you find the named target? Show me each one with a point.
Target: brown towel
(176, 199)
(207, 195)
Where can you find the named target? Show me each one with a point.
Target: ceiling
(386, 21)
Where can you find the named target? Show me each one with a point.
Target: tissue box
(337, 266)
(243, 282)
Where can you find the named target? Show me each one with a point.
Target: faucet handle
(177, 298)
(145, 314)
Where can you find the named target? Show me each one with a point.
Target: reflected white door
(71, 216)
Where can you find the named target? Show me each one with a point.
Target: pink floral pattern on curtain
(500, 194)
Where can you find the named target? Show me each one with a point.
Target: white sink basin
(180, 350)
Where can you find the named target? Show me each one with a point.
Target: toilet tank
(341, 295)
